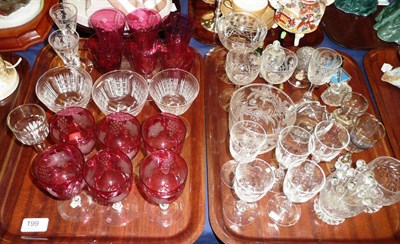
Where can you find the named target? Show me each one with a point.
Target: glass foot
(322, 215)
(122, 213)
(238, 212)
(86, 64)
(228, 173)
(79, 209)
(282, 211)
(165, 217)
(334, 94)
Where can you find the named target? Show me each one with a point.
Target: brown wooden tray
(197, 8)
(20, 198)
(352, 31)
(23, 37)
(381, 226)
(385, 94)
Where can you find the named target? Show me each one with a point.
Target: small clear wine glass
(58, 170)
(246, 140)
(302, 182)
(299, 78)
(163, 177)
(74, 125)
(109, 178)
(330, 139)
(242, 68)
(28, 123)
(66, 44)
(174, 91)
(239, 30)
(252, 182)
(163, 131)
(324, 63)
(294, 145)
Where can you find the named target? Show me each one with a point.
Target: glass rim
(21, 107)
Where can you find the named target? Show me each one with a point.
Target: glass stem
(164, 206)
(39, 148)
(309, 94)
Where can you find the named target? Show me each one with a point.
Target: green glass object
(388, 23)
(357, 7)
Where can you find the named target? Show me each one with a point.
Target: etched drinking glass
(64, 15)
(294, 145)
(163, 131)
(109, 178)
(246, 140)
(252, 182)
(163, 177)
(302, 182)
(28, 123)
(173, 91)
(58, 170)
(330, 139)
(242, 68)
(74, 125)
(239, 30)
(66, 43)
(324, 63)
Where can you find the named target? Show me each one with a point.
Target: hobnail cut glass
(174, 90)
(63, 87)
(120, 91)
(262, 103)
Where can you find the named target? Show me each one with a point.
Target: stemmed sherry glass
(109, 177)
(302, 182)
(163, 177)
(252, 182)
(29, 125)
(324, 63)
(58, 170)
(246, 140)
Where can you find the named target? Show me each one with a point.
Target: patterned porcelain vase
(299, 16)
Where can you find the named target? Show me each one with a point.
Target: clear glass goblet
(239, 30)
(28, 123)
(58, 170)
(64, 15)
(163, 131)
(252, 182)
(246, 140)
(278, 63)
(242, 68)
(299, 78)
(353, 105)
(66, 44)
(294, 145)
(324, 63)
(74, 125)
(109, 178)
(173, 91)
(330, 139)
(163, 177)
(302, 182)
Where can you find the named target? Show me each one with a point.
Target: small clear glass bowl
(174, 90)
(63, 87)
(120, 91)
(265, 104)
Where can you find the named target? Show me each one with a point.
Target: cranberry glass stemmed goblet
(163, 177)
(74, 125)
(58, 170)
(109, 178)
